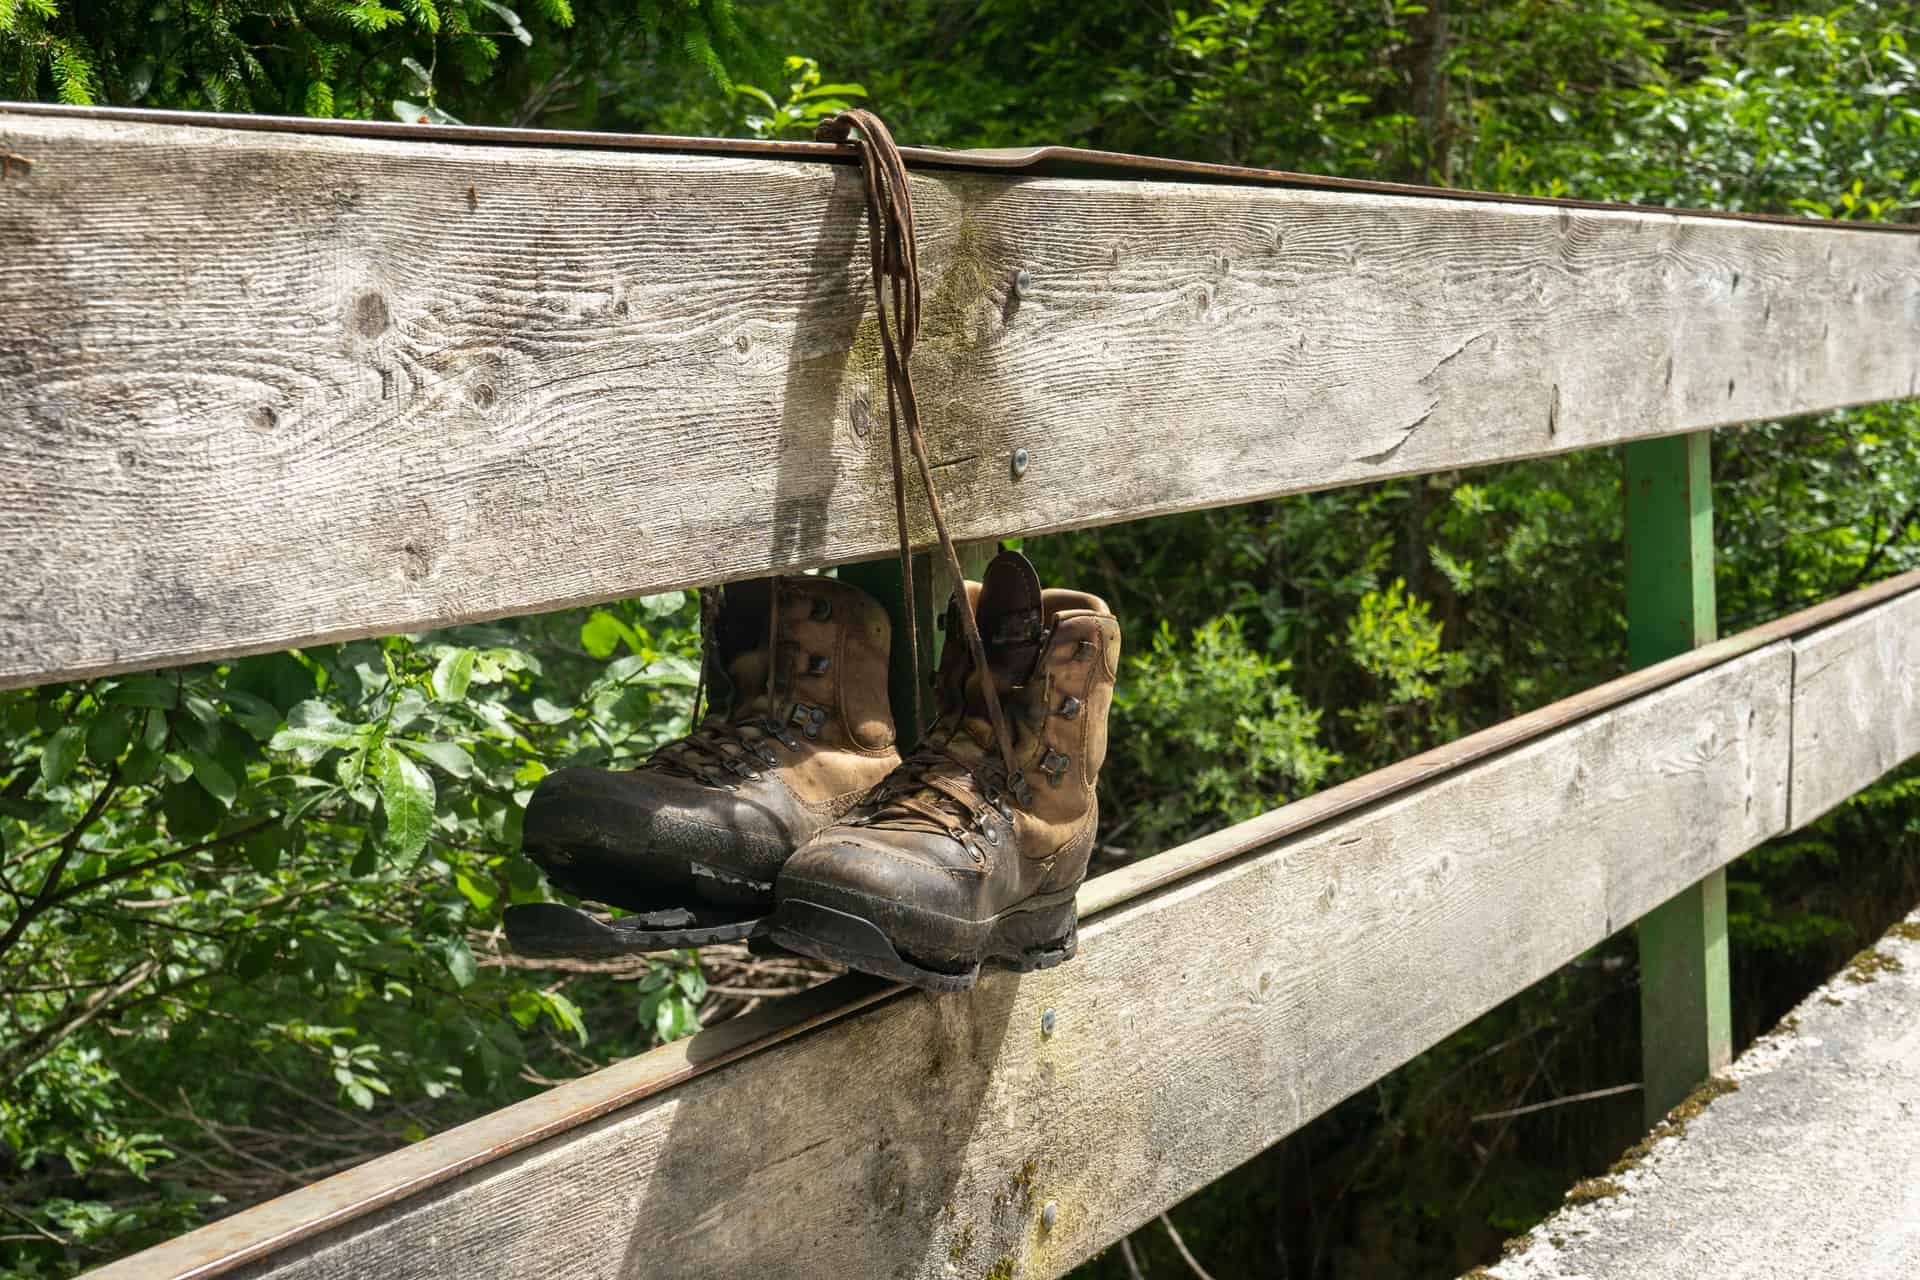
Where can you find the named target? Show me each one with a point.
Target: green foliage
(807, 102)
(415, 60)
(1394, 639)
(296, 863)
(1213, 734)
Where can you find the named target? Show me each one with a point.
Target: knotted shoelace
(894, 248)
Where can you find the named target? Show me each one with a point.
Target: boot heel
(1037, 939)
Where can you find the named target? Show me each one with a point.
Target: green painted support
(1686, 1026)
(881, 580)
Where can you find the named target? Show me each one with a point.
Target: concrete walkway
(1810, 1168)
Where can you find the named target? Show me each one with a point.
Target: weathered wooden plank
(1198, 1025)
(1856, 704)
(263, 389)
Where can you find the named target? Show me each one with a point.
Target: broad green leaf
(313, 740)
(407, 794)
(664, 605)
(602, 633)
(61, 753)
(512, 19)
(676, 1018)
(264, 847)
(255, 959)
(565, 1014)
(448, 755)
(252, 713)
(459, 961)
(453, 675)
(190, 812)
(200, 727)
(314, 728)
(482, 896)
(212, 775)
(109, 735)
(547, 713)
(145, 691)
(279, 679)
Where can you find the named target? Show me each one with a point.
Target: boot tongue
(1008, 611)
(1007, 608)
(747, 675)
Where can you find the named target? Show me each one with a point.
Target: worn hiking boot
(692, 838)
(971, 851)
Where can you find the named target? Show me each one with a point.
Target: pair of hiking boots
(790, 816)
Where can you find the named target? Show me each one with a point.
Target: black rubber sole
(647, 881)
(550, 930)
(1031, 936)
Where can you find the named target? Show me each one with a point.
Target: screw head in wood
(1046, 1022)
(1049, 1212)
(1022, 283)
(1019, 463)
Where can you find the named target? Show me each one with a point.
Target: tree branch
(46, 896)
(41, 1042)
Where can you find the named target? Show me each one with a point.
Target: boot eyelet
(817, 664)
(1054, 765)
(1083, 650)
(1069, 707)
(822, 609)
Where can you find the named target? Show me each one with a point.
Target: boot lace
(896, 280)
(949, 783)
(726, 752)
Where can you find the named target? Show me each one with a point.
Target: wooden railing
(264, 388)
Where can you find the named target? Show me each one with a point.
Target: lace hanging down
(894, 249)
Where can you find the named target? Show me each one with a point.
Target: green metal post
(931, 583)
(1686, 1026)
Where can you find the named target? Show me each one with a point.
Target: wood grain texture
(1197, 1026)
(1856, 704)
(266, 389)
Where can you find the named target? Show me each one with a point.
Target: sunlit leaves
(406, 793)
(453, 674)
(61, 753)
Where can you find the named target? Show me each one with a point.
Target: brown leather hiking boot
(970, 851)
(692, 838)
